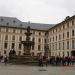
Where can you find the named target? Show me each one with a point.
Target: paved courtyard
(35, 70)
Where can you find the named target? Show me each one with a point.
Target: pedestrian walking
(41, 61)
(5, 59)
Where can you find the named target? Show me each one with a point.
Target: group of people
(58, 61)
(4, 59)
(43, 60)
(62, 60)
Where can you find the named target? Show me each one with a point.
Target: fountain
(27, 57)
(27, 44)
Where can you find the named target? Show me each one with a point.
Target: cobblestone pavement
(35, 70)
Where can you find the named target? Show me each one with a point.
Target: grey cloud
(69, 5)
(4, 11)
(43, 11)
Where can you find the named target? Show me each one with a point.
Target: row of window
(64, 26)
(20, 38)
(20, 46)
(60, 53)
(13, 38)
(14, 30)
(21, 31)
(68, 34)
(61, 46)
(12, 46)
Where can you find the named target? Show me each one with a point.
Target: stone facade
(60, 38)
(10, 38)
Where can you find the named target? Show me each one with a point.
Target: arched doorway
(73, 53)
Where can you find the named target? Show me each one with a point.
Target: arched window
(13, 45)
(67, 53)
(63, 54)
(20, 46)
(39, 33)
(7, 30)
(73, 44)
(56, 38)
(72, 32)
(5, 51)
(63, 35)
(13, 30)
(63, 45)
(59, 36)
(67, 44)
(67, 34)
(20, 31)
(39, 40)
(20, 38)
(39, 47)
(72, 22)
(13, 37)
(5, 45)
(68, 25)
(33, 39)
(6, 37)
(53, 38)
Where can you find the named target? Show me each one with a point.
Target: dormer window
(14, 21)
(7, 23)
(1, 19)
(20, 25)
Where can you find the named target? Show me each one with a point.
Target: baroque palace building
(62, 38)
(52, 39)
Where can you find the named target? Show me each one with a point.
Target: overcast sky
(38, 11)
